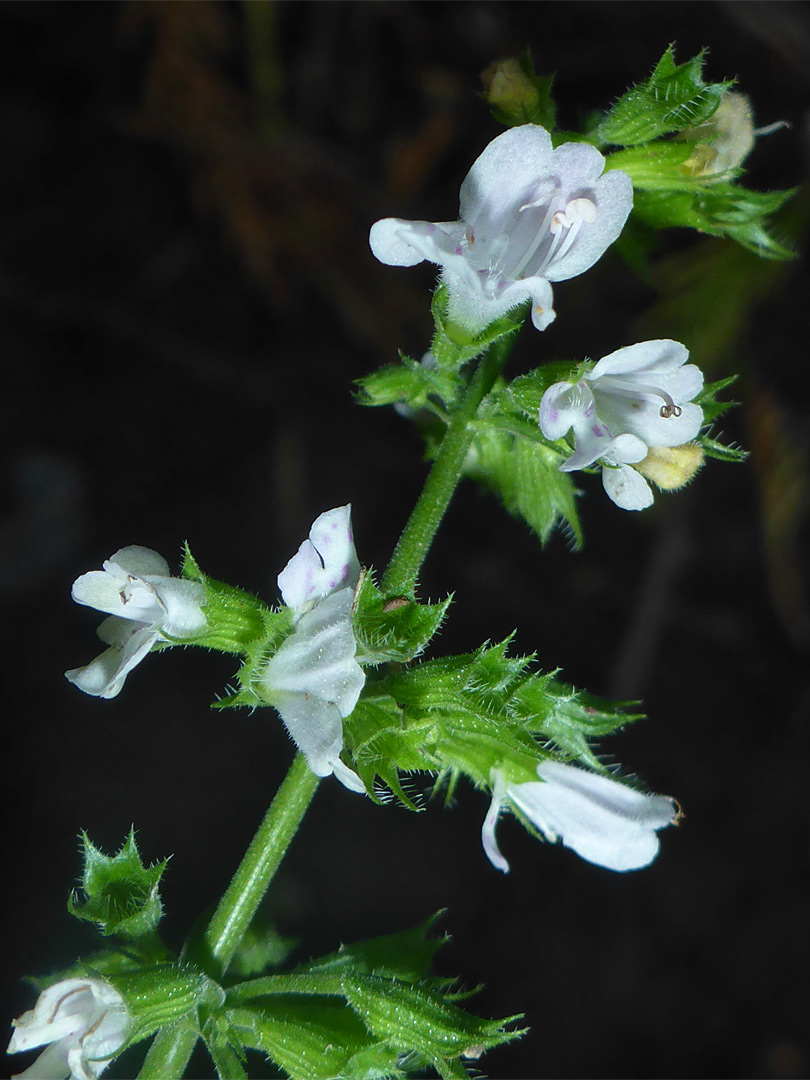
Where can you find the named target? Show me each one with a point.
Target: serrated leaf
(524, 471)
(120, 894)
(673, 98)
(261, 947)
(416, 384)
(393, 628)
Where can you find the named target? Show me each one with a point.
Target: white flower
(600, 819)
(145, 605)
(636, 399)
(530, 215)
(314, 680)
(82, 1023)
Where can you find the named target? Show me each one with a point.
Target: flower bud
(671, 467)
(725, 140)
(508, 88)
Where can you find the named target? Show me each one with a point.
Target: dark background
(186, 293)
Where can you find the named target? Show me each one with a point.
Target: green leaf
(412, 383)
(261, 947)
(673, 98)
(393, 628)
(525, 474)
(120, 894)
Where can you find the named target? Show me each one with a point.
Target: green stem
(171, 1050)
(268, 847)
(442, 481)
(169, 1053)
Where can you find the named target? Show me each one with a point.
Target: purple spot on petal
(555, 415)
(598, 432)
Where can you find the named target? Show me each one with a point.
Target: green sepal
(660, 166)
(406, 955)
(372, 1005)
(120, 894)
(468, 714)
(411, 383)
(673, 98)
(309, 1037)
(278, 625)
(453, 346)
(163, 994)
(707, 399)
(516, 95)
(720, 209)
(735, 455)
(392, 628)
(415, 1019)
(236, 619)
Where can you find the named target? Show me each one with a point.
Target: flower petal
(325, 562)
(397, 242)
(644, 356)
(488, 839)
(627, 488)
(509, 166)
(140, 562)
(52, 1064)
(116, 592)
(105, 676)
(314, 681)
(565, 405)
(600, 819)
(613, 195)
(183, 602)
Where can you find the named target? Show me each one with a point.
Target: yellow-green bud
(508, 87)
(671, 467)
(725, 140)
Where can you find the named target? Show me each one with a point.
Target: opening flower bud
(671, 467)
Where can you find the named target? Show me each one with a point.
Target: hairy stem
(250, 882)
(426, 517)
